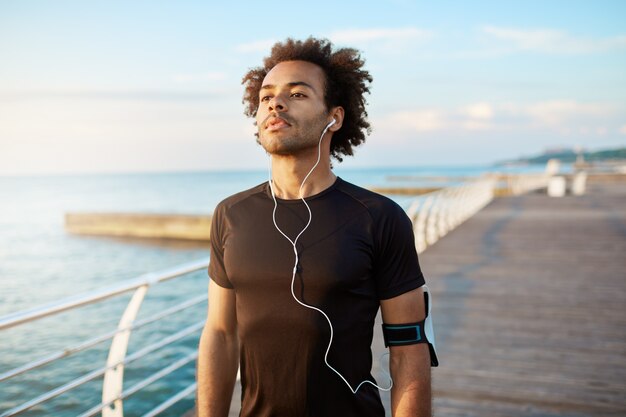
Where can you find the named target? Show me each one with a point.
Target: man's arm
(409, 364)
(218, 354)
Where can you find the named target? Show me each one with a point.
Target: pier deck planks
(529, 308)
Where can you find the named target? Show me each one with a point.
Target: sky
(143, 86)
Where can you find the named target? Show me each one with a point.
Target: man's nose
(277, 103)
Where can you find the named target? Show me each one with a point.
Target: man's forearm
(411, 392)
(218, 359)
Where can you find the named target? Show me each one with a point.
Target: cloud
(476, 125)
(622, 130)
(553, 41)
(125, 95)
(477, 116)
(481, 111)
(390, 36)
(264, 45)
(379, 34)
(424, 120)
(103, 135)
(558, 113)
(562, 116)
(199, 78)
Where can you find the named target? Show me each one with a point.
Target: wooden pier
(530, 308)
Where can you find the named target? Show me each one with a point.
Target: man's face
(292, 113)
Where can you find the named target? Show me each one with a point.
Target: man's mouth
(276, 123)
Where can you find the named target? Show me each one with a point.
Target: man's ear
(337, 113)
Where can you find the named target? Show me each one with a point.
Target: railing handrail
(142, 384)
(58, 306)
(98, 372)
(98, 339)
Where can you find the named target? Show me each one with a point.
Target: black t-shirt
(359, 249)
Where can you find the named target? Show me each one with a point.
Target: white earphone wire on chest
(297, 261)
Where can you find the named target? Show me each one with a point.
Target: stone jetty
(140, 225)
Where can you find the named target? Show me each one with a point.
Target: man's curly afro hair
(346, 85)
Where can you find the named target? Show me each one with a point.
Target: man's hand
(218, 354)
(409, 364)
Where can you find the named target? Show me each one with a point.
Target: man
(300, 264)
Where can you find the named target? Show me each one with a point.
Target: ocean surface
(40, 263)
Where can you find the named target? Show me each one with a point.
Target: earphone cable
(297, 260)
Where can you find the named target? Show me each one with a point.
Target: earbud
(331, 123)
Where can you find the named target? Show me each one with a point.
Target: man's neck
(288, 172)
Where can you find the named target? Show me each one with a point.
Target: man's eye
(298, 95)
(266, 98)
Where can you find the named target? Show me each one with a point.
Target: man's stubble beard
(304, 137)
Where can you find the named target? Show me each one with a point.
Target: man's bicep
(222, 314)
(405, 308)
(409, 364)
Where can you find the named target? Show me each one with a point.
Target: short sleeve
(397, 267)
(217, 271)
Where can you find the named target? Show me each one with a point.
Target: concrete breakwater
(141, 225)
(405, 190)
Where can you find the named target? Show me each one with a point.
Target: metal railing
(113, 371)
(437, 213)
(433, 215)
(524, 183)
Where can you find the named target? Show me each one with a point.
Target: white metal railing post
(414, 209)
(113, 383)
(431, 223)
(420, 225)
(442, 214)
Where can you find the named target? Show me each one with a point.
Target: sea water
(40, 263)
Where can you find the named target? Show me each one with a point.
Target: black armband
(411, 334)
(404, 334)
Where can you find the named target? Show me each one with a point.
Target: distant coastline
(567, 155)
